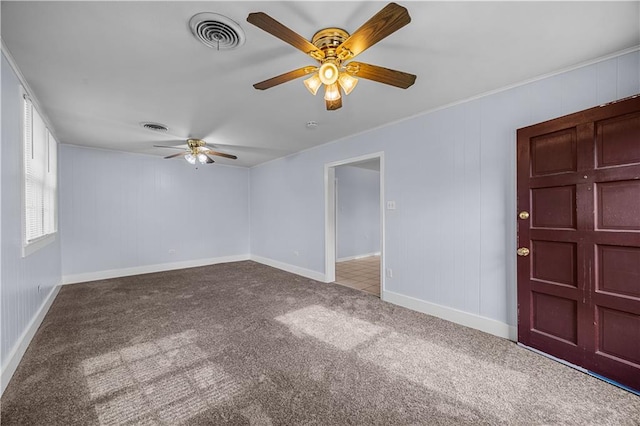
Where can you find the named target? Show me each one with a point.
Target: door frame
(330, 215)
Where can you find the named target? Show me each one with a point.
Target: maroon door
(579, 217)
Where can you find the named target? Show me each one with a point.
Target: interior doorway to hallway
(354, 231)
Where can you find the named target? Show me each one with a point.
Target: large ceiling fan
(333, 48)
(197, 150)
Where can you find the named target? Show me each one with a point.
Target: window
(40, 181)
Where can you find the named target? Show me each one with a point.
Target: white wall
(451, 241)
(20, 298)
(121, 212)
(358, 211)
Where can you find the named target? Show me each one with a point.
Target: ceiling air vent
(157, 127)
(216, 31)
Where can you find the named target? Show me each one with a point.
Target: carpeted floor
(242, 343)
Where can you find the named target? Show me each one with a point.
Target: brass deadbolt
(523, 251)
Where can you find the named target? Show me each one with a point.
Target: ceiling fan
(196, 150)
(333, 48)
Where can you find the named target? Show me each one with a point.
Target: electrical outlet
(172, 251)
(389, 272)
(391, 205)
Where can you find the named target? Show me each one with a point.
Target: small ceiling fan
(332, 48)
(196, 150)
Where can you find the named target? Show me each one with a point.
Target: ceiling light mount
(216, 31)
(329, 38)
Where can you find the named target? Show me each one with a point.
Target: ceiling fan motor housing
(328, 40)
(195, 143)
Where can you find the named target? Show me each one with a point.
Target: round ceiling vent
(216, 31)
(156, 127)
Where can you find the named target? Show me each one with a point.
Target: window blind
(40, 176)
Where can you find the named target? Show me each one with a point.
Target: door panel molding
(578, 288)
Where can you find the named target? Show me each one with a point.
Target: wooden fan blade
(283, 78)
(276, 29)
(334, 105)
(175, 155)
(384, 23)
(165, 146)
(381, 74)
(220, 154)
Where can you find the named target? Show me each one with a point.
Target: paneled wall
(357, 211)
(451, 241)
(121, 211)
(26, 282)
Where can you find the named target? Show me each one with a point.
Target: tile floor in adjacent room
(361, 274)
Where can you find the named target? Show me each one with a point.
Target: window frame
(31, 246)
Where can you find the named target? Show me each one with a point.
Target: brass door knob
(523, 251)
(523, 215)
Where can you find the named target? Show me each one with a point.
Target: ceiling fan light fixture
(347, 82)
(202, 158)
(328, 72)
(313, 83)
(332, 92)
(190, 158)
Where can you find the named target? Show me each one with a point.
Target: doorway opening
(354, 228)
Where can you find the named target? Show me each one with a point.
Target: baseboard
(147, 269)
(16, 354)
(307, 273)
(488, 325)
(358, 256)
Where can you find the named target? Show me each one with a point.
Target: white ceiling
(100, 68)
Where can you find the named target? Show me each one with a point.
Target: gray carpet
(242, 343)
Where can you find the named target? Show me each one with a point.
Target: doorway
(579, 239)
(354, 231)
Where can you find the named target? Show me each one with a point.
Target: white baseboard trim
(147, 269)
(488, 325)
(359, 256)
(16, 354)
(307, 273)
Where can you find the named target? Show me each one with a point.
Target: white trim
(37, 244)
(307, 273)
(147, 269)
(358, 159)
(488, 325)
(26, 87)
(330, 216)
(140, 154)
(330, 223)
(358, 256)
(20, 347)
